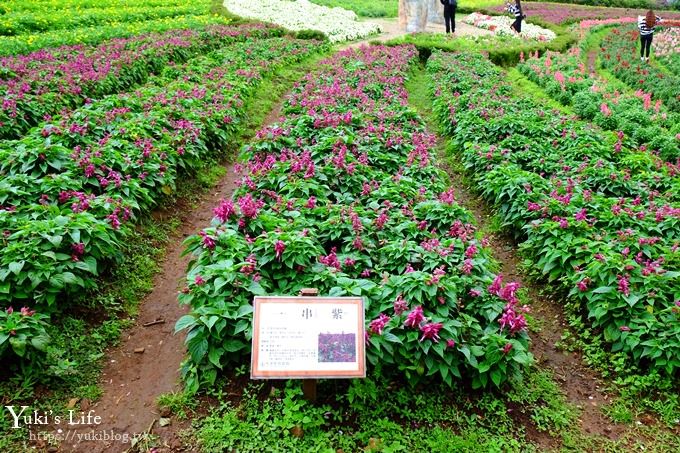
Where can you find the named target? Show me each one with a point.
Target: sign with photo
(308, 337)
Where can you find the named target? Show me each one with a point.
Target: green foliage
(311, 34)
(392, 418)
(181, 404)
(23, 334)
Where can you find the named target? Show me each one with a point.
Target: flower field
(344, 196)
(30, 26)
(642, 119)
(667, 49)
(597, 217)
(504, 207)
(337, 23)
(36, 86)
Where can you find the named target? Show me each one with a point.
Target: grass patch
(526, 87)
(181, 404)
(378, 414)
(364, 8)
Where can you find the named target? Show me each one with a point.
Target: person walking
(450, 14)
(516, 10)
(646, 25)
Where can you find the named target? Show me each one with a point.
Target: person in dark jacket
(646, 25)
(516, 10)
(450, 14)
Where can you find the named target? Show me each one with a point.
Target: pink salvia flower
(279, 247)
(624, 286)
(431, 331)
(377, 325)
(495, 287)
(400, 305)
(225, 210)
(415, 317)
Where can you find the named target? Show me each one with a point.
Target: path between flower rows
(131, 382)
(579, 384)
(390, 30)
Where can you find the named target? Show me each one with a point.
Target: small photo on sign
(337, 347)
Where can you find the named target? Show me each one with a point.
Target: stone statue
(413, 15)
(435, 12)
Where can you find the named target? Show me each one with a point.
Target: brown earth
(131, 382)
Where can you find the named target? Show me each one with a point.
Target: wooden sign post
(308, 337)
(309, 385)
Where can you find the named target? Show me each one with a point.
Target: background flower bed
(26, 43)
(33, 87)
(337, 23)
(344, 196)
(596, 216)
(564, 13)
(644, 122)
(502, 50)
(70, 187)
(26, 22)
(666, 46)
(620, 54)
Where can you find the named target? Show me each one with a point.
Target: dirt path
(390, 30)
(132, 381)
(580, 385)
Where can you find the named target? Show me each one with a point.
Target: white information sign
(308, 337)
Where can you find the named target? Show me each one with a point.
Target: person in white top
(646, 25)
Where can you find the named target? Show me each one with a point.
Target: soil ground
(132, 381)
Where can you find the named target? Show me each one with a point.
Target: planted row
(344, 196)
(566, 79)
(596, 216)
(68, 188)
(33, 87)
(23, 22)
(30, 42)
(48, 7)
(620, 53)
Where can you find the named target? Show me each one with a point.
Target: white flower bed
(337, 23)
(500, 25)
